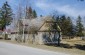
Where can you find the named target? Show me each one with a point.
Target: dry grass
(71, 51)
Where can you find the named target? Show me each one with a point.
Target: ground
(13, 49)
(72, 47)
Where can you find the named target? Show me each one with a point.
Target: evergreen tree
(79, 26)
(63, 24)
(0, 20)
(30, 12)
(66, 25)
(41, 16)
(34, 14)
(71, 30)
(0, 13)
(6, 13)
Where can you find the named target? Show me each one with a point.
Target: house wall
(1, 36)
(36, 38)
(44, 38)
(39, 38)
(12, 36)
(26, 37)
(30, 38)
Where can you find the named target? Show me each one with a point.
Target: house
(40, 31)
(46, 34)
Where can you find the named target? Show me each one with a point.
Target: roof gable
(48, 26)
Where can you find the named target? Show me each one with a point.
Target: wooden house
(46, 34)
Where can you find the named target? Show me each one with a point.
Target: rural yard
(54, 50)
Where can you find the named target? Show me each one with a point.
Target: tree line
(66, 24)
(68, 27)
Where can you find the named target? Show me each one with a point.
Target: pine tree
(71, 30)
(0, 20)
(29, 12)
(66, 25)
(6, 13)
(34, 14)
(0, 13)
(63, 24)
(79, 26)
